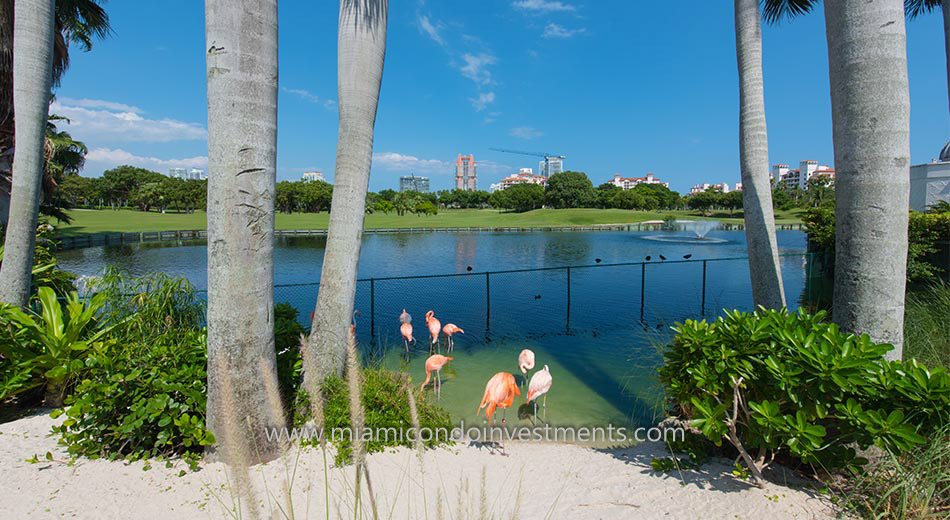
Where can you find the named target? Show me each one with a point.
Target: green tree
(570, 190)
(522, 197)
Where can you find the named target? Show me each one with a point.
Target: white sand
(532, 481)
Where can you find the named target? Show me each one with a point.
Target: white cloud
(432, 30)
(483, 100)
(553, 30)
(392, 161)
(543, 5)
(95, 120)
(525, 132)
(101, 159)
(306, 95)
(476, 67)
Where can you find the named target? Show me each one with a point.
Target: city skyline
(628, 112)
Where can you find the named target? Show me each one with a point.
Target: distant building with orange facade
(465, 176)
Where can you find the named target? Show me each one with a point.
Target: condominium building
(178, 173)
(465, 174)
(312, 176)
(413, 183)
(626, 183)
(197, 174)
(524, 176)
(789, 179)
(550, 165)
(930, 182)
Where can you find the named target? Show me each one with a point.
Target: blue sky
(616, 86)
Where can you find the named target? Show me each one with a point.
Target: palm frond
(773, 11)
(915, 8)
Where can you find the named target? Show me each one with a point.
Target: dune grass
(107, 220)
(927, 325)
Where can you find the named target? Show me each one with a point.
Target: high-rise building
(550, 165)
(465, 176)
(312, 176)
(177, 173)
(197, 174)
(413, 183)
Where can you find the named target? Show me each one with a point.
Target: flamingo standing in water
(406, 329)
(500, 392)
(525, 363)
(539, 385)
(448, 330)
(435, 364)
(434, 327)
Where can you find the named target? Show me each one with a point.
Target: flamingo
(448, 330)
(500, 392)
(434, 327)
(435, 364)
(406, 328)
(525, 363)
(539, 385)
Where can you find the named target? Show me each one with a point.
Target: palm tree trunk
(32, 78)
(242, 160)
(764, 267)
(361, 50)
(870, 109)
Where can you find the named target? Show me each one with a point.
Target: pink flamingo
(539, 385)
(434, 327)
(406, 328)
(448, 330)
(500, 392)
(525, 363)
(435, 364)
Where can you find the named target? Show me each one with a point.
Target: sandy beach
(529, 481)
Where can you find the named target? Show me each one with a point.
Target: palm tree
(764, 267)
(32, 61)
(915, 8)
(870, 111)
(361, 49)
(242, 161)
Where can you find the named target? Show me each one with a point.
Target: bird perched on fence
(687, 257)
(435, 364)
(448, 330)
(500, 392)
(406, 328)
(597, 260)
(435, 326)
(525, 363)
(469, 268)
(539, 386)
(662, 257)
(648, 258)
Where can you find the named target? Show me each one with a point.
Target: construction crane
(549, 158)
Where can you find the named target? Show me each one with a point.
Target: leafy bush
(48, 348)
(386, 405)
(793, 386)
(287, 334)
(927, 325)
(138, 401)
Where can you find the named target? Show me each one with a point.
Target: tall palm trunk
(32, 78)
(361, 49)
(870, 109)
(764, 268)
(242, 159)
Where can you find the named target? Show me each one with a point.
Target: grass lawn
(98, 221)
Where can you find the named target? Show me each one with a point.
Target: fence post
(702, 311)
(372, 307)
(643, 279)
(487, 301)
(568, 298)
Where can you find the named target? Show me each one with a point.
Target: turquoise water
(601, 338)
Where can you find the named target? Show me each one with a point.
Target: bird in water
(525, 363)
(435, 326)
(500, 392)
(406, 329)
(539, 386)
(448, 330)
(687, 257)
(434, 364)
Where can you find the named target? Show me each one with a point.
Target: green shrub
(795, 386)
(48, 348)
(287, 334)
(140, 400)
(385, 404)
(927, 325)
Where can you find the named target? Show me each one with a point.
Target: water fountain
(700, 230)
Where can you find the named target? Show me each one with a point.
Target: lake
(599, 326)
